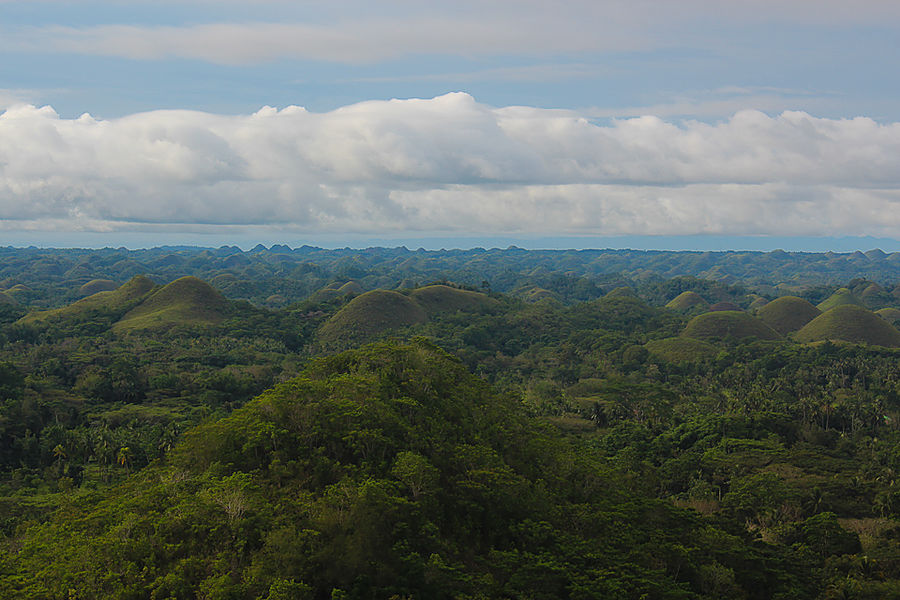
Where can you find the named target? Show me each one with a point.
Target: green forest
(282, 423)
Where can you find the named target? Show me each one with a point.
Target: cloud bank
(393, 29)
(453, 165)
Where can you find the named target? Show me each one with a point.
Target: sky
(591, 123)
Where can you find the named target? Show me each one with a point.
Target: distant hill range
(51, 278)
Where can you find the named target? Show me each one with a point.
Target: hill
(891, 315)
(369, 315)
(443, 298)
(681, 349)
(839, 298)
(97, 285)
(621, 291)
(185, 302)
(388, 472)
(687, 301)
(721, 306)
(728, 325)
(108, 305)
(787, 314)
(757, 303)
(850, 323)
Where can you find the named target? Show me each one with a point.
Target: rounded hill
(97, 285)
(758, 303)
(687, 301)
(850, 323)
(187, 302)
(728, 324)
(839, 298)
(721, 306)
(443, 298)
(891, 315)
(787, 314)
(622, 291)
(369, 315)
(681, 349)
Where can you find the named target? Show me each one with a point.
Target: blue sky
(594, 120)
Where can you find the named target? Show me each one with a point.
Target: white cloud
(450, 164)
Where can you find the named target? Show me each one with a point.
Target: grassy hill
(103, 305)
(839, 298)
(758, 303)
(369, 315)
(535, 294)
(681, 349)
(850, 323)
(621, 291)
(891, 315)
(787, 314)
(728, 324)
(184, 302)
(443, 298)
(725, 305)
(97, 285)
(687, 301)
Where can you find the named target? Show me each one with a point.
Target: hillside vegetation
(385, 472)
(580, 446)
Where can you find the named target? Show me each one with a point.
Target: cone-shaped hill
(337, 290)
(185, 302)
(725, 305)
(839, 298)
(788, 314)
(368, 316)
(687, 301)
(437, 299)
(728, 325)
(757, 303)
(385, 472)
(621, 292)
(104, 306)
(96, 286)
(891, 315)
(681, 349)
(536, 294)
(850, 323)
